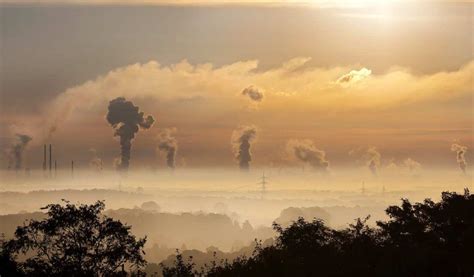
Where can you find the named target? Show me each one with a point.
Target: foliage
(74, 241)
(422, 239)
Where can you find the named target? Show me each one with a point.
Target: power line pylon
(263, 184)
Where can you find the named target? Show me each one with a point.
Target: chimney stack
(72, 168)
(50, 158)
(44, 158)
(55, 167)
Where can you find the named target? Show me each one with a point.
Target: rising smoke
(126, 119)
(17, 150)
(460, 158)
(370, 156)
(95, 162)
(253, 93)
(241, 142)
(305, 151)
(412, 165)
(167, 143)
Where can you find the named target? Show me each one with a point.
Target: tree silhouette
(421, 239)
(74, 241)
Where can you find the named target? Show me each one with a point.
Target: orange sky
(396, 77)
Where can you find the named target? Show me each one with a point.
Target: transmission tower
(263, 184)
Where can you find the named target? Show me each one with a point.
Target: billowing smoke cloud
(95, 162)
(412, 165)
(373, 160)
(460, 158)
(253, 93)
(241, 141)
(167, 143)
(305, 151)
(370, 156)
(126, 119)
(354, 76)
(16, 152)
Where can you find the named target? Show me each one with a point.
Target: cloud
(289, 88)
(354, 76)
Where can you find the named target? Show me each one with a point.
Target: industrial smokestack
(167, 143)
(44, 158)
(72, 168)
(460, 158)
(50, 158)
(55, 168)
(126, 119)
(241, 142)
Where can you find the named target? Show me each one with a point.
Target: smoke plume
(95, 162)
(241, 141)
(370, 156)
(253, 93)
(167, 143)
(305, 151)
(460, 158)
(126, 119)
(17, 150)
(412, 165)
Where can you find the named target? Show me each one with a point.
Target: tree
(421, 239)
(74, 241)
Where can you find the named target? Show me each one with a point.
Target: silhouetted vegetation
(422, 239)
(72, 241)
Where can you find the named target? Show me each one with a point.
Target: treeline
(421, 239)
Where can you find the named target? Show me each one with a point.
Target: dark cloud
(126, 119)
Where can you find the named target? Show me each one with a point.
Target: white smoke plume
(370, 157)
(460, 155)
(95, 162)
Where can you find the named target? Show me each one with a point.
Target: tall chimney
(72, 168)
(44, 158)
(55, 167)
(50, 158)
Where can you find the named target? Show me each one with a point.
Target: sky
(337, 76)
